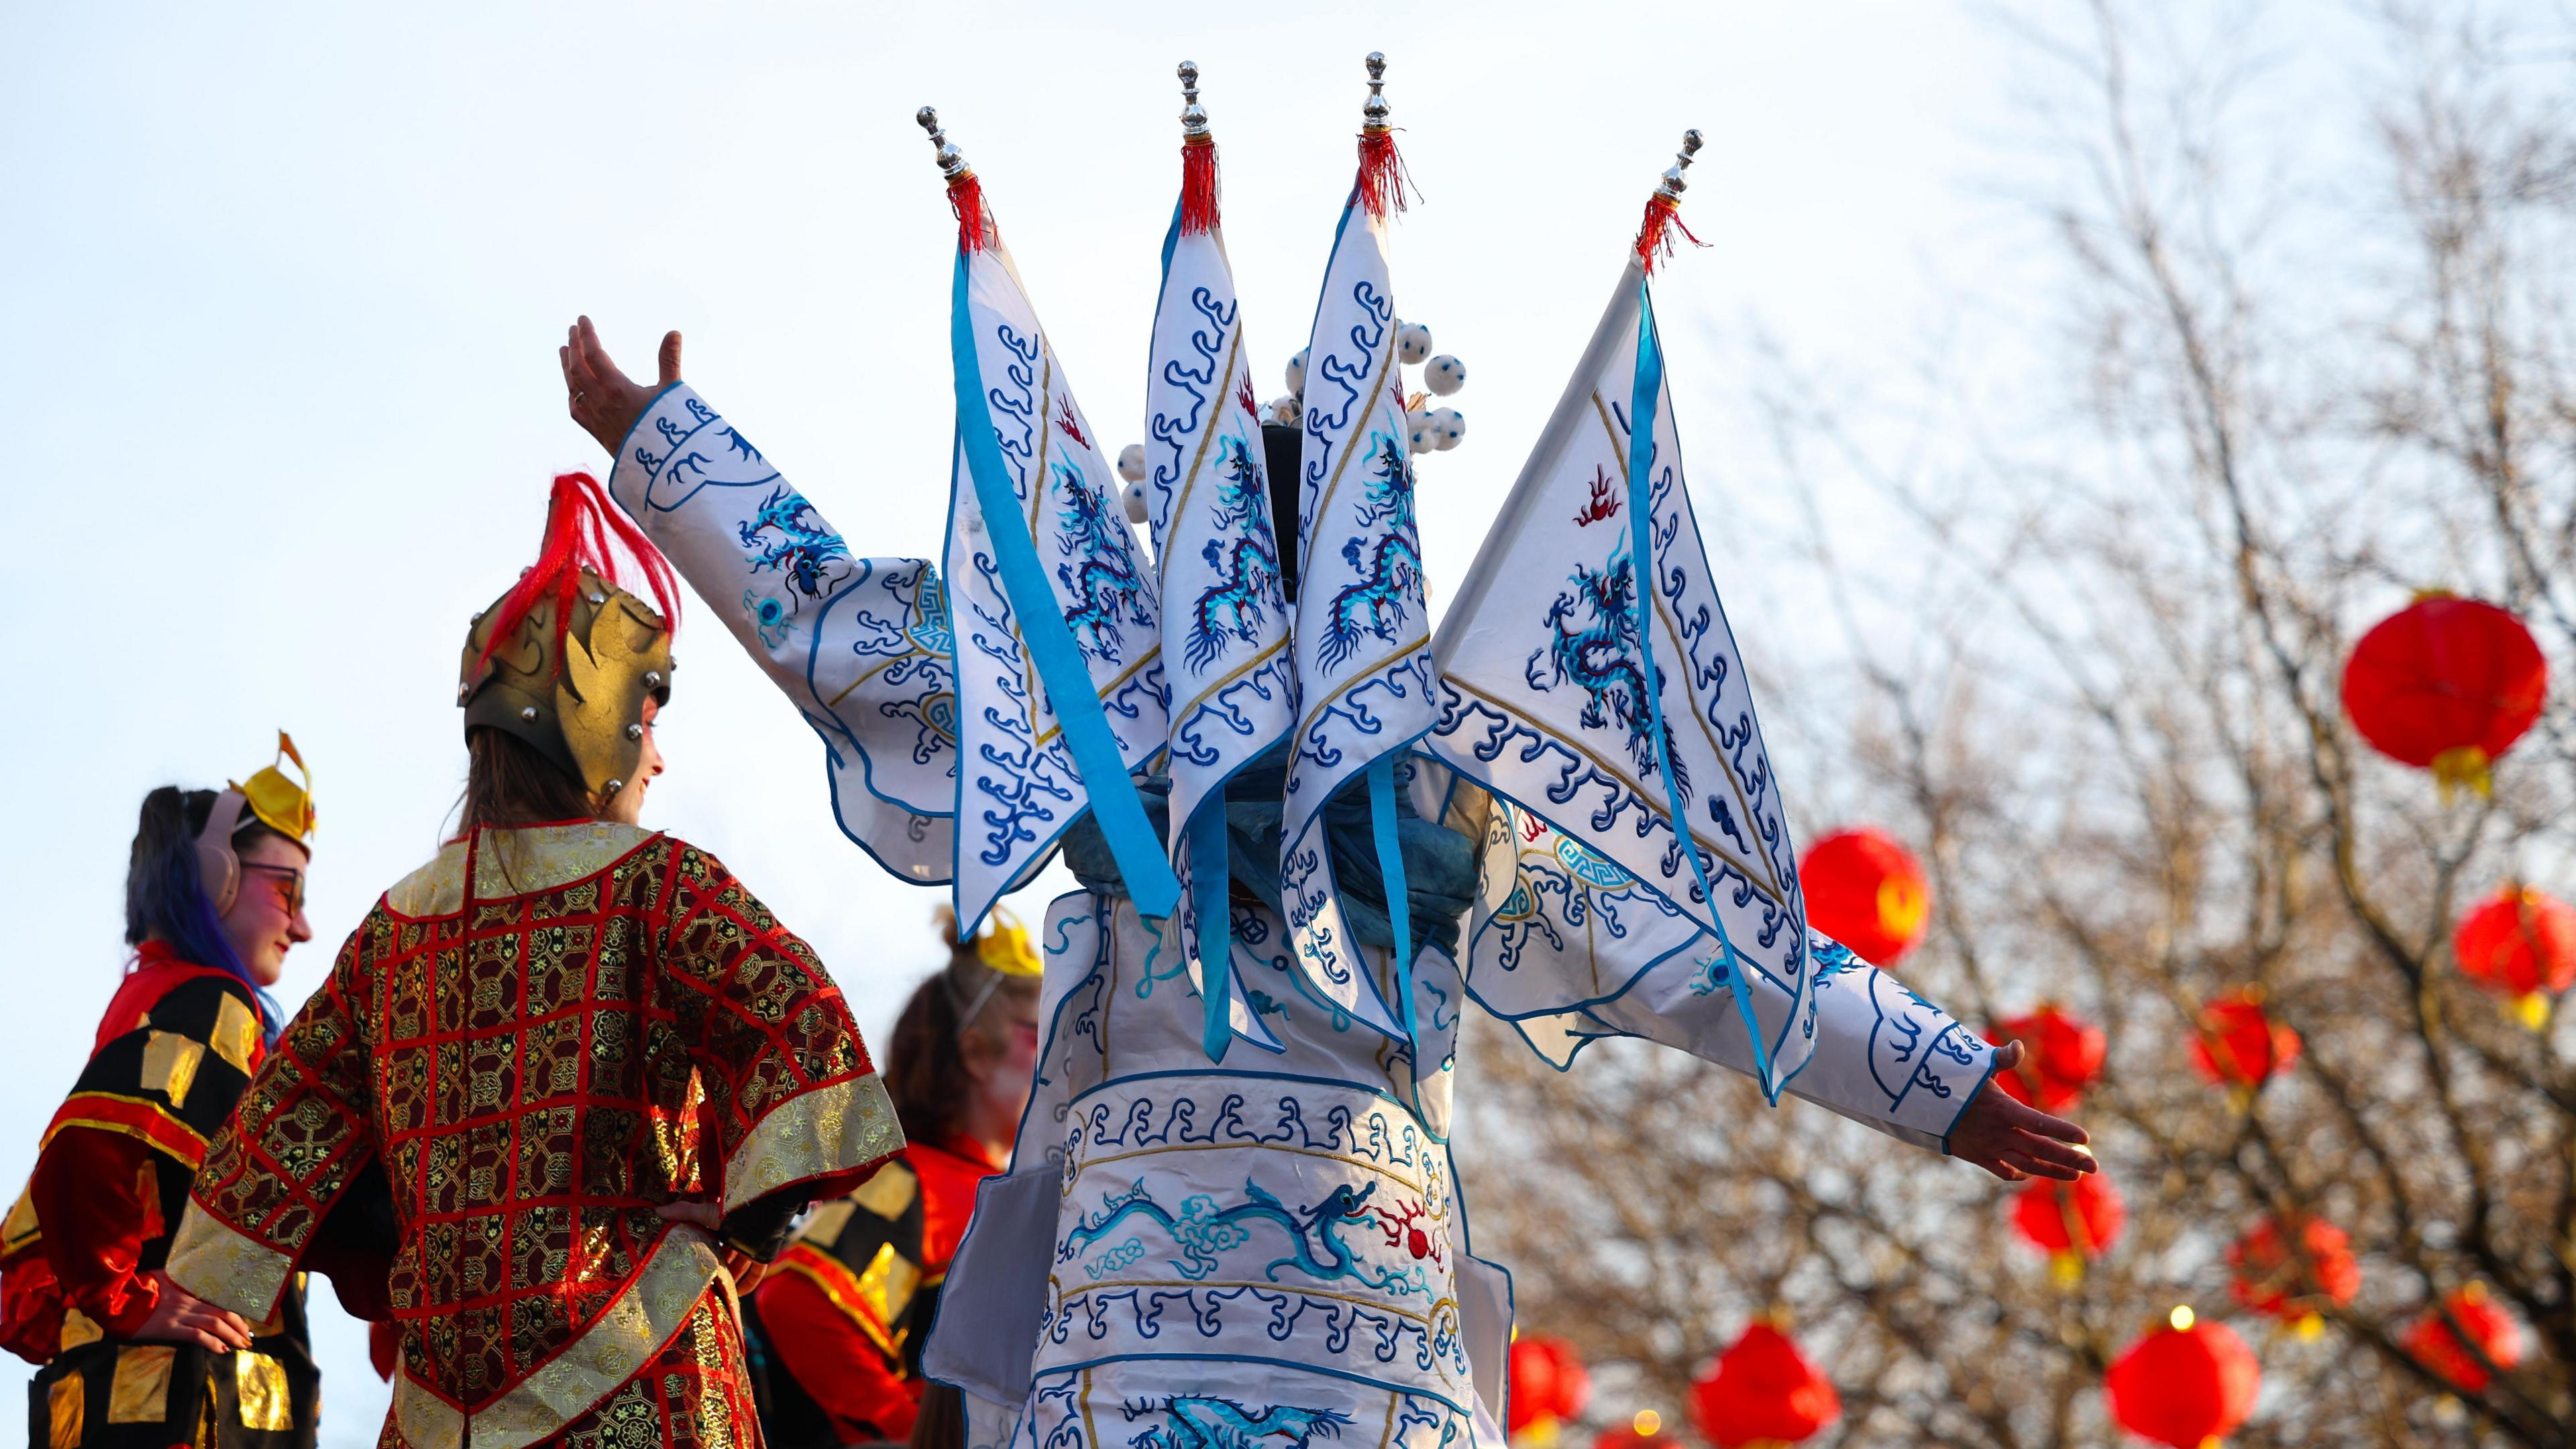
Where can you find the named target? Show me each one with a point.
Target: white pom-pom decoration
(1412, 343)
(1297, 371)
(1423, 432)
(1136, 498)
(1282, 410)
(1450, 427)
(1131, 462)
(1444, 375)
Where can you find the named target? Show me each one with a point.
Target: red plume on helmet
(584, 530)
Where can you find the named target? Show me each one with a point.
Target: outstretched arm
(858, 645)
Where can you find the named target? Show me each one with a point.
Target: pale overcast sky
(282, 287)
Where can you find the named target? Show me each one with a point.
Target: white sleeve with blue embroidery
(859, 645)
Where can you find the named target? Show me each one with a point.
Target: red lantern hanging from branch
(2186, 1384)
(2433, 1345)
(2273, 1277)
(2239, 1044)
(2061, 1056)
(2073, 1222)
(1762, 1390)
(1549, 1386)
(2519, 943)
(1866, 891)
(2445, 684)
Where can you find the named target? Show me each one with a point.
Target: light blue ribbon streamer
(1049, 641)
(1399, 897)
(1643, 400)
(1208, 898)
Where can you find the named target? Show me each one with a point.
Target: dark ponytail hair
(509, 782)
(165, 894)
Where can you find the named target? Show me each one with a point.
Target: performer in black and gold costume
(214, 901)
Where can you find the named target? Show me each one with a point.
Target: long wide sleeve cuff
(859, 645)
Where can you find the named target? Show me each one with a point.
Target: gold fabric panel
(830, 1129)
(260, 1383)
(436, 889)
(140, 1392)
(823, 1229)
(19, 1229)
(225, 1268)
(515, 863)
(237, 1034)
(64, 1405)
(79, 1328)
(170, 1064)
(590, 1368)
(888, 1284)
(889, 1192)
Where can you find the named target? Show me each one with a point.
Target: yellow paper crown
(279, 803)
(1005, 946)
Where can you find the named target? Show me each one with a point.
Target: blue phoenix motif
(1244, 555)
(1389, 572)
(1594, 647)
(1099, 571)
(1197, 1421)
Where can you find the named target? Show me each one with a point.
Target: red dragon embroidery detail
(1605, 499)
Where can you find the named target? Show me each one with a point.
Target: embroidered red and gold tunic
(532, 1043)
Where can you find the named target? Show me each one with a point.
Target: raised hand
(602, 398)
(2013, 1141)
(180, 1316)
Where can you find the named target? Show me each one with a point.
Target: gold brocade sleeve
(793, 1101)
(299, 1135)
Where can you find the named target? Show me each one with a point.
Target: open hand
(746, 1270)
(603, 399)
(182, 1317)
(2013, 1141)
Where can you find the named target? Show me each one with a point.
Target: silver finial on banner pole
(952, 163)
(1674, 185)
(1194, 121)
(1374, 110)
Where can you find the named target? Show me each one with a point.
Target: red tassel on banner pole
(1198, 186)
(1663, 209)
(1381, 173)
(1655, 237)
(966, 198)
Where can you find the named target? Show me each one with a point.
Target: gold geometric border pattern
(227, 1268)
(587, 1370)
(827, 1130)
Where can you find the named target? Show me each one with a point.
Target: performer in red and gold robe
(214, 899)
(840, 1319)
(566, 1080)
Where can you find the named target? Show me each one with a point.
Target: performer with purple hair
(214, 899)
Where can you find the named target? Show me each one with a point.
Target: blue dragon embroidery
(1198, 1421)
(1099, 570)
(1599, 656)
(1389, 570)
(1202, 1231)
(810, 556)
(805, 551)
(1244, 556)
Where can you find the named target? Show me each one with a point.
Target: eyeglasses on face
(290, 889)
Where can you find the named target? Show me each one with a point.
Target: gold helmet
(566, 658)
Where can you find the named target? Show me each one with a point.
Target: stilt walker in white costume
(1198, 1244)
